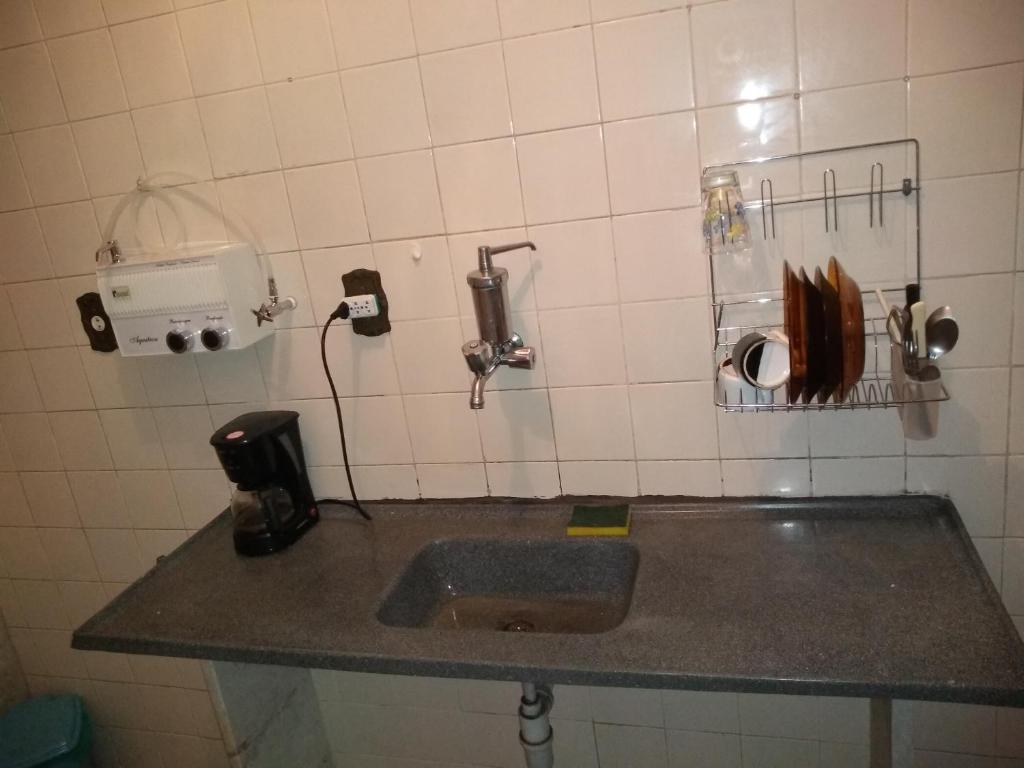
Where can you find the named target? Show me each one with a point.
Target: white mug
(736, 390)
(769, 352)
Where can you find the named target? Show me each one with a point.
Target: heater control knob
(180, 341)
(214, 338)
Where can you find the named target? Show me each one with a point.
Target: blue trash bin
(46, 732)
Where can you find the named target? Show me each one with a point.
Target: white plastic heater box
(199, 300)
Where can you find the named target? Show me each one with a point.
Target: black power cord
(342, 313)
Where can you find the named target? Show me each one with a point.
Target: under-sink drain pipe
(535, 732)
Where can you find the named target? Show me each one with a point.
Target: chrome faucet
(498, 343)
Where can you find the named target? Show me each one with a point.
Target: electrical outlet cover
(96, 322)
(360, 281)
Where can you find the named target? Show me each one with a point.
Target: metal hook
(871, 196)
(835, 209)
(771, 208)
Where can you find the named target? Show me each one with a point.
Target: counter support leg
(881, 733)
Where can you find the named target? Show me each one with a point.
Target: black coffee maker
(273, 504)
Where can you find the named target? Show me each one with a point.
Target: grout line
(628, 391)
(531, 256)
(705, 261)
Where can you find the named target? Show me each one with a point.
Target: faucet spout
(476, 392)
(483, 360)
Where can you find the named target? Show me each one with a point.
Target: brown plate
(814, 336)
(833, 337)
(795, 320)
(851, 314)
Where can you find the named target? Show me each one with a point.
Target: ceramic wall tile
(666, 340)
(70, 232)
(523, 479)
(619, 746)
(365, 33)
(61, 379)
(171, 139)
(687, 478)
(239, 132)
(14, 192)
(41, 319)
(778, 477)
(417, 345)
(152, 61)
(466, 94)
(118, 11)
(28, 88)
(673, 421)
(592, 423)
(974, 483)
(974, 419)
(749, 130)
(220, 47)
(87, 71)
(115, 382)
(690, 748)
(524, 17)
(310, 120)
(748, 66)
(948, 35)
(260, 202)
(453, 23)
(400, 195)
(954, 249)
(418, 276)
(584, 346)
(51, 165)
(552, 81)
(652, 163)
(133, 438)
(644, 65)
(26, 258)
(611, 478)
(515, 426)
(868, 477)
(832, 37)
(293, 39)
(325, 204)
(574, 264)
(563, 175)
(985, 306)
(385, 108)
(951, 146)
(442, 429)
(451, 481)
(81, 440)
(59, 17)
(20, 24)
(666, 244)
(109, 154)
(480, 186)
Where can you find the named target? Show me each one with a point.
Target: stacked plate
(824, 323)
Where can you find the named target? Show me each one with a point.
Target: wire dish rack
(886, 258)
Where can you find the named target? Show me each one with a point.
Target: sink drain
(518, 625)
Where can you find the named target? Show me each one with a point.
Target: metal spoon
(941, 332)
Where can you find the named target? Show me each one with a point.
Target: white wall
(351, 130)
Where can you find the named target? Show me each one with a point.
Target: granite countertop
(882, 597)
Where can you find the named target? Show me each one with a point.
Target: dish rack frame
(876, 388)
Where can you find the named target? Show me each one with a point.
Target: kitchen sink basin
(561, 586)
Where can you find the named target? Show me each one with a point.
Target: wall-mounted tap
(498, 343)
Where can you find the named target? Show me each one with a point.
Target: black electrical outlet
(361, 281)
(96, 322)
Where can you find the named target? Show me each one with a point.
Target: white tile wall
(366, 134)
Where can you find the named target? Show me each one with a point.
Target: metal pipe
(535, 733)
